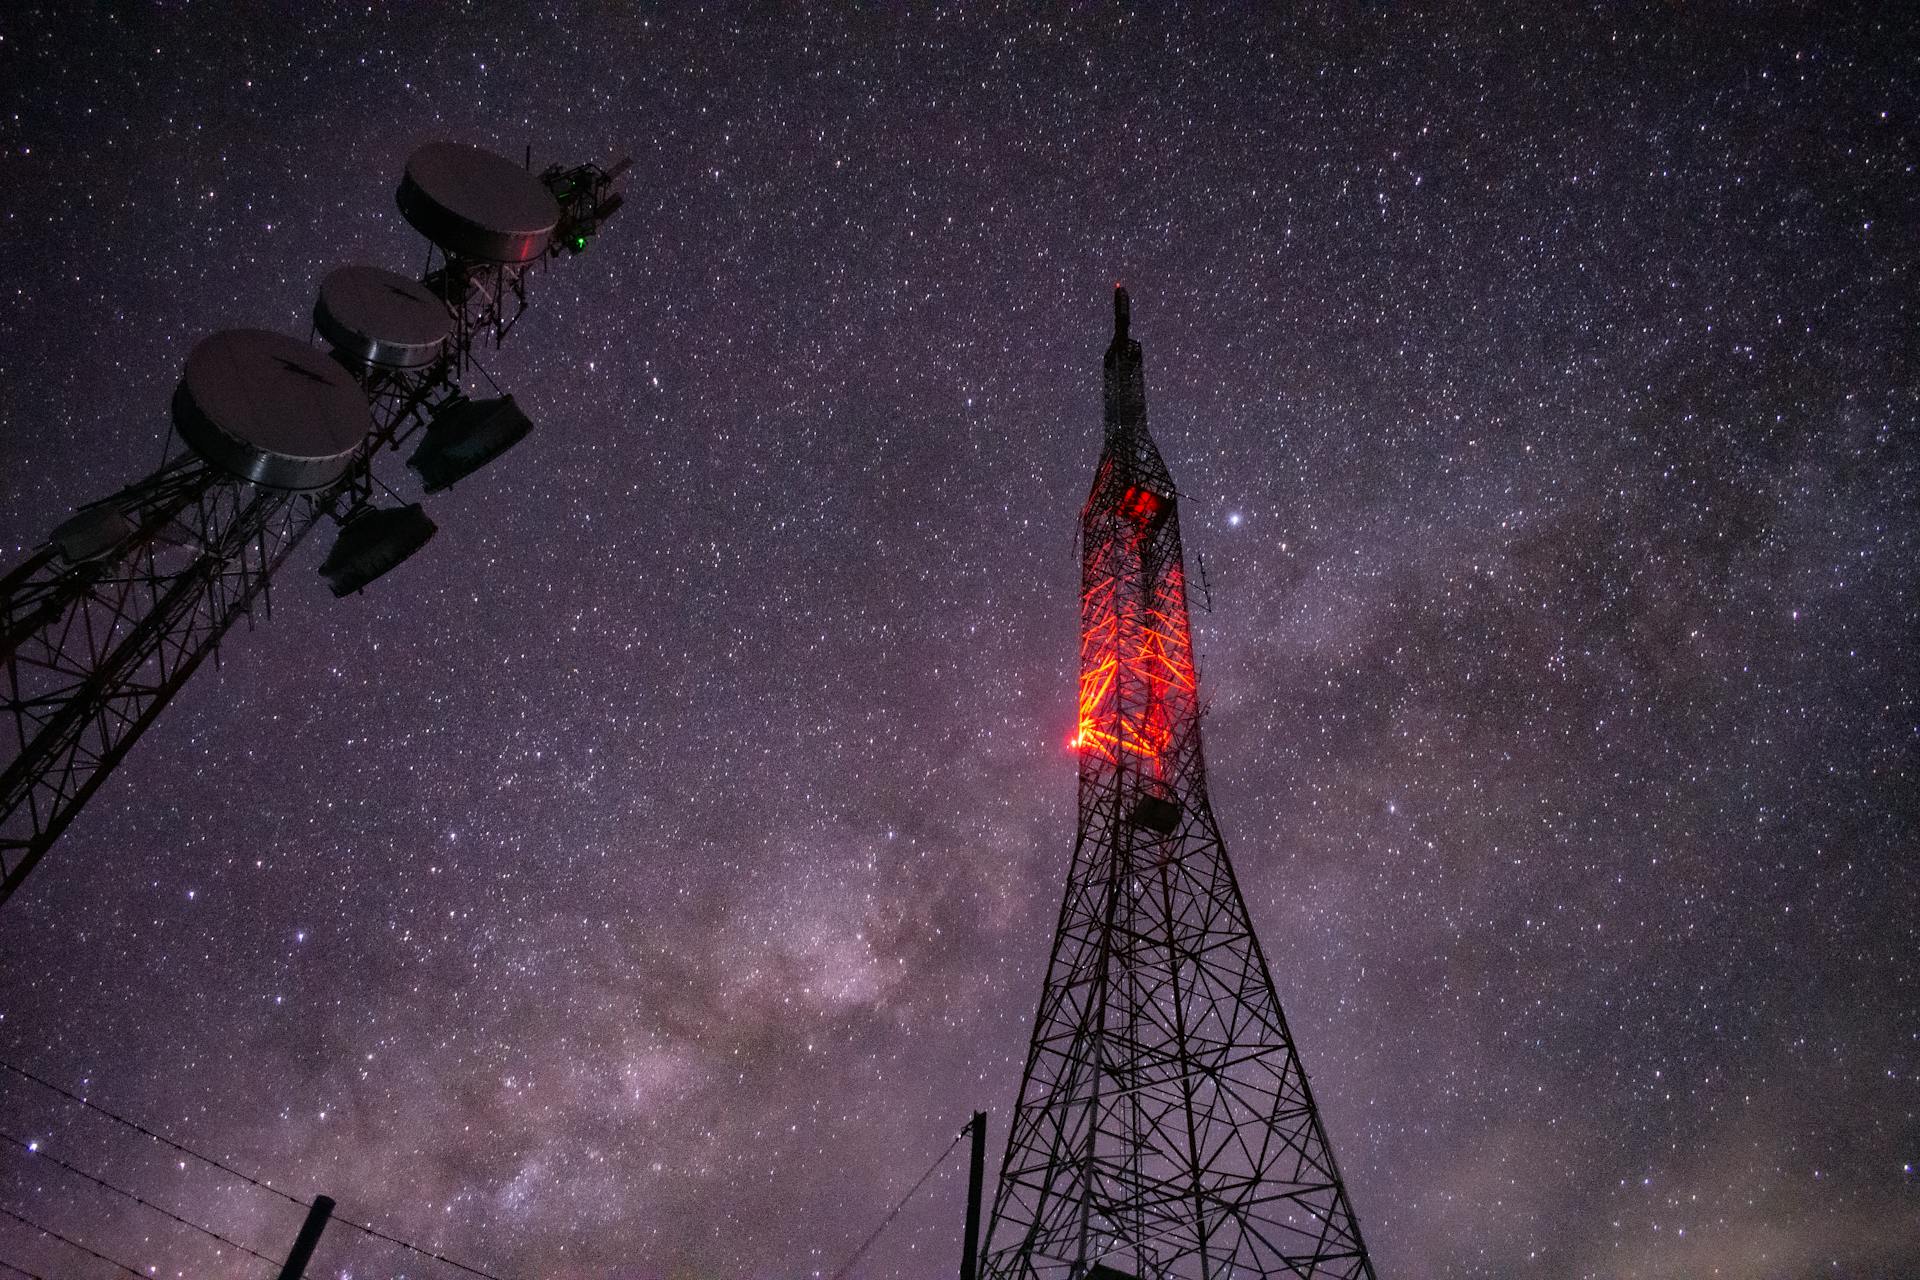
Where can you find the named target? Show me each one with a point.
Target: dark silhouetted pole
(976, 1169)
(302, 1252)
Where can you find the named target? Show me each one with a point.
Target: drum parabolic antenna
(382, 317)
(271, 409)
(475, 204)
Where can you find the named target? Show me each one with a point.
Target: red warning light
(1142, 506)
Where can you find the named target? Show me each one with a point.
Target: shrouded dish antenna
(464, 436)
(271, 409)
(475, 204)
(374, 316)
(373, 542)
(92, 533)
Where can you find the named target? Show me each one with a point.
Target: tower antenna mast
(104, 622)
(1164, 1126)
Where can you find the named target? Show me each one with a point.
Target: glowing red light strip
(1126, 644)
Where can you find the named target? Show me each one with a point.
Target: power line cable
(423, 1252)
(899, 1205)
(39, 1154)
(92, 1253)
(137, 1127)
(21, 1271)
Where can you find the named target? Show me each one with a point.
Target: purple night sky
(649, 878)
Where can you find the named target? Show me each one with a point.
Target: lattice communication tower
(1164, 1126)
(104, 623)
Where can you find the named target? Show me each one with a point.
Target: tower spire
(1126, 380)
(1164, 1126)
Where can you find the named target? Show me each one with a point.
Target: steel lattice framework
(1164, 1126)
(97, 642)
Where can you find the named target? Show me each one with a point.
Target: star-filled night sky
(649, 877)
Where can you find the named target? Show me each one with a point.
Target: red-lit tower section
(1164, 1126)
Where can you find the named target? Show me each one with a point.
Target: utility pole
(976, 1173)
(302, 1252)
